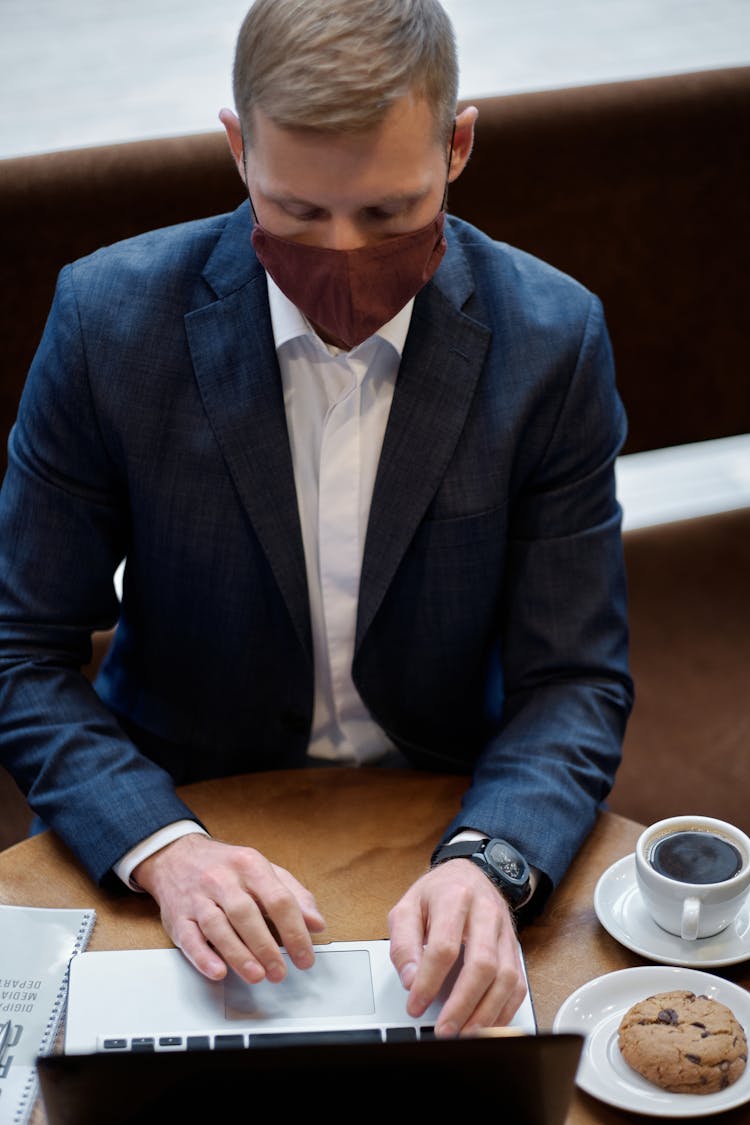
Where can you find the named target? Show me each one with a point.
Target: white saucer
(596, 1009)
(620, 910)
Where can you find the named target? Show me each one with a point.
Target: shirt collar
(288, 322)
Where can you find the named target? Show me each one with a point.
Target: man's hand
(456, 905)
(218, 903)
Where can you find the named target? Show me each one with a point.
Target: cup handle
(691, 912)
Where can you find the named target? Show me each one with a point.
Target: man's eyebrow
(406, 198)
(401, 198)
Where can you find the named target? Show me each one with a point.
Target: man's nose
(344, 234)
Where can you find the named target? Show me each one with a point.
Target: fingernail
(304, 958)
(408, 974)
(253, 972)
(416, 1006)
(276, 971)
(446, 1030)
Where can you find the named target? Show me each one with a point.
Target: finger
(514, 998)
(263, 911)
(238, 933)
(515, 994)
(497, 1005)
(440, 954)
(314, 920)
(284, 913)
(490, 986)
(407, 937)
(189, 939)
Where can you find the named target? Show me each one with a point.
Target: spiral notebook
(37, 945)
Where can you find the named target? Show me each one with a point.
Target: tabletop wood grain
(358, 838)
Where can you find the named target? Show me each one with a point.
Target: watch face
(506, 859)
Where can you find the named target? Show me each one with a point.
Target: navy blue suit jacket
(491, 633)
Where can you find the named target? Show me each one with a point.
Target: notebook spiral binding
(52, 1027)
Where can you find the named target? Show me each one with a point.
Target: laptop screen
(523, 1080)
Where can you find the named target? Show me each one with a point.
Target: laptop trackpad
(338, 984)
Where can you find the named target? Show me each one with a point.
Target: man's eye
(378, 215)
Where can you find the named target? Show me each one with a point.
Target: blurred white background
(77, 72)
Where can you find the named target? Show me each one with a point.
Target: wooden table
(358, 838)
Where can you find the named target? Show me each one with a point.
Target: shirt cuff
(153, 843)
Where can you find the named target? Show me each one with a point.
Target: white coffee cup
(683, 874)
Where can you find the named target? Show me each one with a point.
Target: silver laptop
(153, 1000)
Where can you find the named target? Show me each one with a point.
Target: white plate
(621, 911)
(596, 1009)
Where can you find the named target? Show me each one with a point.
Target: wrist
(500, 861)
(143, 862)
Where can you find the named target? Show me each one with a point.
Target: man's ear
(233, 129)
(463, 141)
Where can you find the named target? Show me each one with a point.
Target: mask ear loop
(247, 189)
(444, 204)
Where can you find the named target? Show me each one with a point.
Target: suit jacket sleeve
(63, 535)
(567, 692)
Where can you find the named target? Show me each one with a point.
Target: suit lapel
(436, 382)
(234, 359)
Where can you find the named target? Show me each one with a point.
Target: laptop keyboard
(223, 1040)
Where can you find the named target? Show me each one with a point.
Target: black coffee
(695, 857)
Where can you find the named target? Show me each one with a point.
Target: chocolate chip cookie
(686, 1044)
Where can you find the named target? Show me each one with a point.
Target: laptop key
(198, 1042)
(304, 1038)
(400, 1034)
(427, 1033)
(114, 1044)
(141, 1044)
(170, 1040)
(225, 1042)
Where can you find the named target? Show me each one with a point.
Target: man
(359, 460)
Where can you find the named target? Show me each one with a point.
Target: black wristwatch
(501, 862)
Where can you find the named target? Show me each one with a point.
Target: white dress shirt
(337, 405)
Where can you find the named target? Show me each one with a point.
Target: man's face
(345, 191)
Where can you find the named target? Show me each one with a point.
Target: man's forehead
(409, 113)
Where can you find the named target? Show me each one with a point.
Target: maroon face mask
(349, 294)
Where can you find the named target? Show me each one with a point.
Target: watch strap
(516, 894)
(461, 849)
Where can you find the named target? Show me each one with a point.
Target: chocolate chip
(696, 1024)
(693, 1058)
(705, 1034)
(668, 1015)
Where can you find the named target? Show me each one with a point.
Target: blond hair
(338, 65)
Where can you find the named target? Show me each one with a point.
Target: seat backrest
(639, 189)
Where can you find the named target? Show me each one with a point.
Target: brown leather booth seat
(687, 747)
(640, 190)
